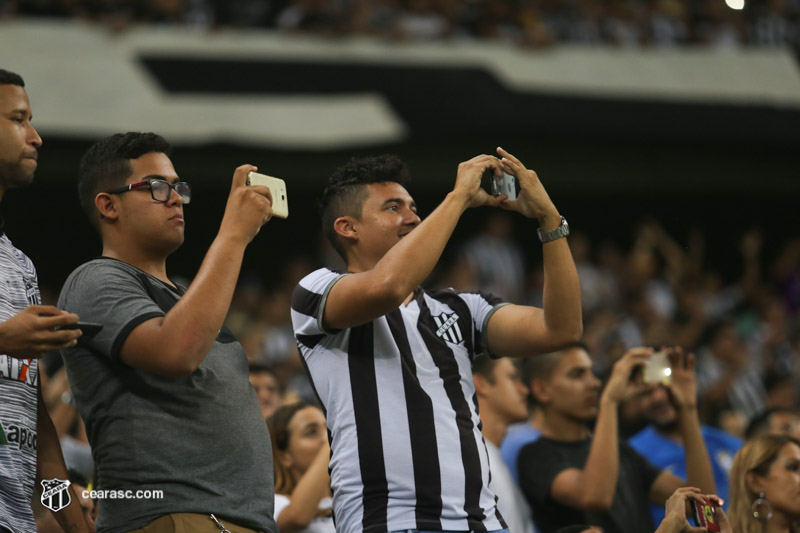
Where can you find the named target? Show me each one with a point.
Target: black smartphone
(89, 329)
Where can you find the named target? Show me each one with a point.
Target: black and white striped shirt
(19, 379)
(398, 395)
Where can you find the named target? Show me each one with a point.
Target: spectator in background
(662, 444)
(765, 484)
(518, 435)
(496, 259)
(268, 389)
(501, 402)
(728, 376)
(775, 421)
(571, 476)
(302, 485)
(29, 448)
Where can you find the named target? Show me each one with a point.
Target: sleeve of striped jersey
(105, 292)
(481, 306)
(308, 303)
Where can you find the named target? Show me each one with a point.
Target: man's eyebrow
(160, 177)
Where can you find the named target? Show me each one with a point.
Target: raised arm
(698, 465)
(592, 487)
(522, 330)
(174, 345)
(363, 296)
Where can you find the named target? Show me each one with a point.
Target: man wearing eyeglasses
(163, 388)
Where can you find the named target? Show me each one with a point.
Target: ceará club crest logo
(55, 494)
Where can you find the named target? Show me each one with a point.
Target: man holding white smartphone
(163, 387)
(390, 361)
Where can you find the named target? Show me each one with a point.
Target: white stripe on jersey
(406, 449)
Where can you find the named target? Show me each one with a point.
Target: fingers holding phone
(249, 207)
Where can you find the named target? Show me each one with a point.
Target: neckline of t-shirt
(174, 288)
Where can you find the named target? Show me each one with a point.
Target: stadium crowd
(529, 23)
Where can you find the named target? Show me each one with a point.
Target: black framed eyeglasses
(160, 190)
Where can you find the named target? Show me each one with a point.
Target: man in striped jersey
(29, 448)
(390, 362)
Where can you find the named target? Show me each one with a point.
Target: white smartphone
(657, 369)
(277, 187)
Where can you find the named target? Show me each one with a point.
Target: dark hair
(760, 423)
(10, 78)
(345, 193)
(278, 425)
(484, 365)
(261, 369)
(107, 164)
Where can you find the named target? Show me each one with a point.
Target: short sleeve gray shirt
(200, 439)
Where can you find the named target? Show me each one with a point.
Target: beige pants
(189, 523)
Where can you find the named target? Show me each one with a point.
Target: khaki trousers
(189, 523)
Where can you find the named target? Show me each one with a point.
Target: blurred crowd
(529, 23)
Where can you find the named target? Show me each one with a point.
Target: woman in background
(301, 453)
(765, 486)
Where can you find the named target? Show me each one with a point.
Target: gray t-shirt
(199, 439)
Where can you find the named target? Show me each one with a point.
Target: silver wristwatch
(561, 231)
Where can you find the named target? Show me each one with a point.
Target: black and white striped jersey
(406, 444)
(19, 379)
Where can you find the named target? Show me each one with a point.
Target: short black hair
(484, 365)
(346, 190)
(759, 424)
(575, 529)
(107, 164)
(261, 369)
(11, 78)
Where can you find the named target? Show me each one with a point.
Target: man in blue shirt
(661, 443)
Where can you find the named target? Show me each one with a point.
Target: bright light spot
(735, 4)
(667, 371)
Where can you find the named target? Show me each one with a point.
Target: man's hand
(248, 208)
(623, 384)
(532, 201)
(675, 520)
(30, 333)
(468, 181)
(683, 383)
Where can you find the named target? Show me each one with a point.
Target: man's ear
(540, 390)
(482, 386)
(106, 205)
(345, 228)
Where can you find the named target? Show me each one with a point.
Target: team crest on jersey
(447, 328)
(55, 494)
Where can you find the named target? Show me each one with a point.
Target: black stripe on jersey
(310, 340)
(422, 431)
(364, 387)
(445, 360)
(306, 302)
